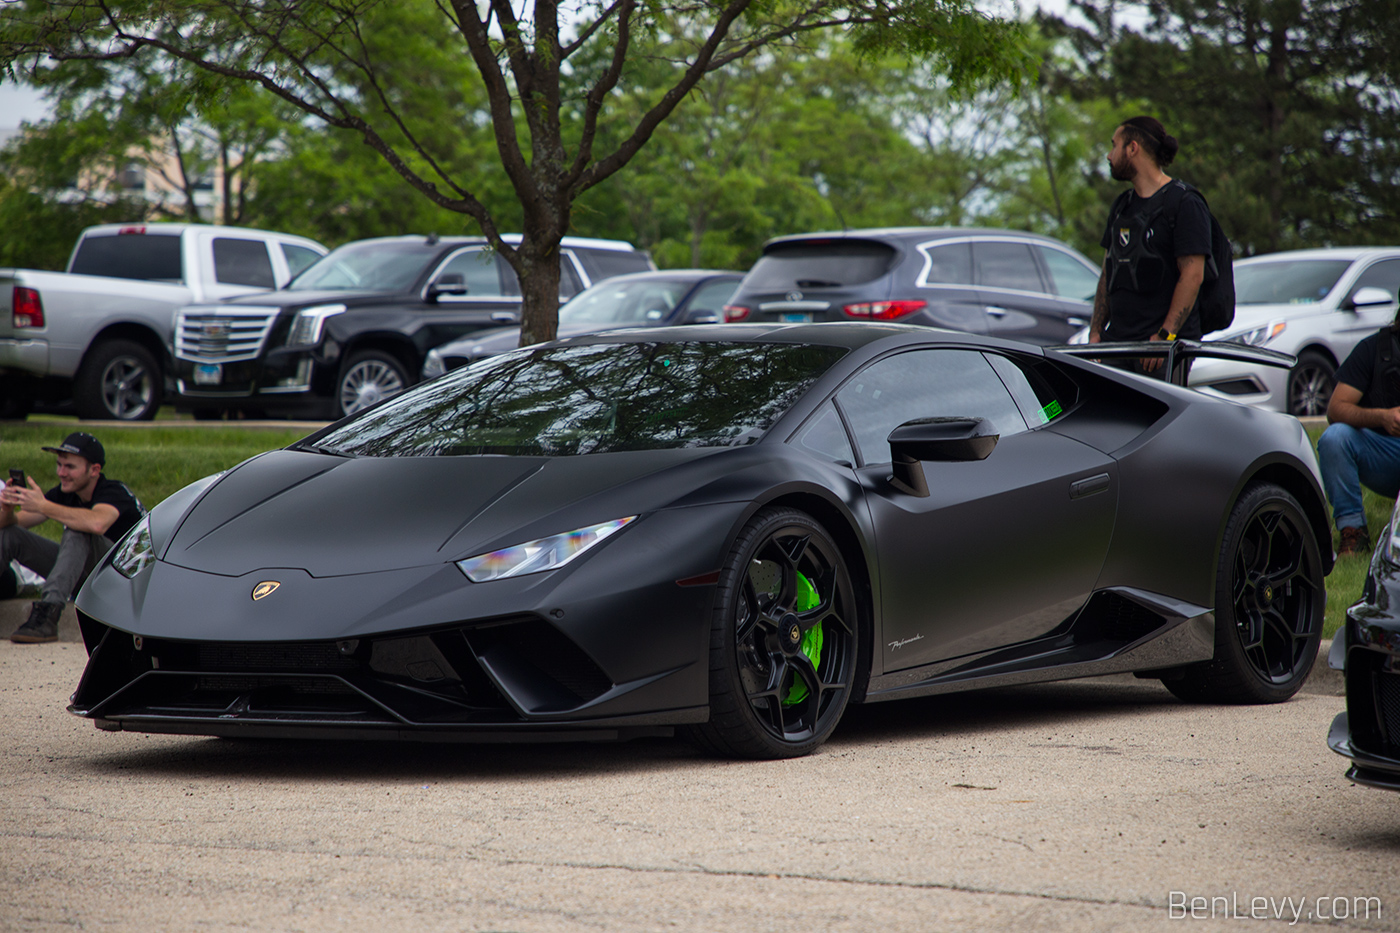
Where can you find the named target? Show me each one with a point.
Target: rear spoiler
(1178, 351)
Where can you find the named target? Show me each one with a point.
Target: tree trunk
(537, 266)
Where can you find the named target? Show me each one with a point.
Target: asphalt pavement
(1100, 804)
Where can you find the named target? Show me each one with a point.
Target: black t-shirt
(1144, 241)
(1358, 370)
(113, 493)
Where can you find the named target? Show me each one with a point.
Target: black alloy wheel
(1269, 605)
(1310, 385)
(784, 640)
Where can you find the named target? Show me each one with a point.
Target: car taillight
(735, 313)
(884, 310)
(28, 311)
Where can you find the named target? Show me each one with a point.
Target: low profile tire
(1310, 384)
(368, 378)
(119, 380)
(1269, 600)
(784, 641)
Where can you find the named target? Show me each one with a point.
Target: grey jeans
(64, 565)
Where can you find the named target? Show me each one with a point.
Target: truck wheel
(119, 379)
(368, 378)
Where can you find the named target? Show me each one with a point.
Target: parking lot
(1090, 805)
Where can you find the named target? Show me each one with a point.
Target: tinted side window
(478, 267)
(1041, 397)
(606, 263)
(1384, 274)
(299, 258)
(924, 384)
(713, 296)
(242, 262)
(1005, 265)
(569, 282)
(151, 257)
(1069, 278)
(950, 265)
(825, 436)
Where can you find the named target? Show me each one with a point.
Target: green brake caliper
(807, 599)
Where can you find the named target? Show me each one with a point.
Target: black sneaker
(42, 625)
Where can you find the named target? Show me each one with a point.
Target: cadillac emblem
(264, 588)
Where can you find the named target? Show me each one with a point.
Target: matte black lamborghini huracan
(730, 531)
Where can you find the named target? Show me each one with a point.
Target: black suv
(999, 282)
(355, 327)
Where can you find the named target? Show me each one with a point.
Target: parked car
(1315, 304)
(643, 299)
(99, 333)
(1001, 283)
(355, 328)
(1367, 651)
(732, 532)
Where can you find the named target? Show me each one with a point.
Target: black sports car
(732, 531)
(1367, 649)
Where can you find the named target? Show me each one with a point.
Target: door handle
(994, 311)
(1088, 487)
(504, 317)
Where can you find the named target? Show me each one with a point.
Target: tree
(545, 107)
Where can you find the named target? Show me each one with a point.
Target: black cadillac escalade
(355, 327)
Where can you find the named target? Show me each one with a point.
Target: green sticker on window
(1050, 412)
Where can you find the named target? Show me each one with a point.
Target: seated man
(1362, 445)
(94, 512)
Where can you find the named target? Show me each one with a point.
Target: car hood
(1248, 317)
(331, 516)
(299, 299)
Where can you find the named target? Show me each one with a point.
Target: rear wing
(1179, 351)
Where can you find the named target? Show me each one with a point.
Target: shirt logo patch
(1122, 236)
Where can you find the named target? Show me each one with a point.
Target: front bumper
(1368, 733)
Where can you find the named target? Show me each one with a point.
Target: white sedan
(1316, 304)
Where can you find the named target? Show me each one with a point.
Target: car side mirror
(700, 316)
(449, 283)
(1370, 297)
(947, 440)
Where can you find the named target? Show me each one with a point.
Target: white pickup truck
(100, 333)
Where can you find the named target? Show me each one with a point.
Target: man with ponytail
(1157, 240)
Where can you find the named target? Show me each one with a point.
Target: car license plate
(795, 317)
(208, 374)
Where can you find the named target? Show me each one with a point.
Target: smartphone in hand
(17, 477)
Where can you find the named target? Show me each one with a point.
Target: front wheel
(1310, 385)
(368, 378)
(119, 379)
(783, 641)
(1269, 600)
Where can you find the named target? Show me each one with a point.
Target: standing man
(1361, 446)
(1157, 240)
(94, 512)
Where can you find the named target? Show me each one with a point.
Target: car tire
(1269, 601)
(1310, 384)
(118, 380)
(367, 378)
(784, 641)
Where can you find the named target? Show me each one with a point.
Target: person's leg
(78, 553)
(33, 551)
(1339, 451)
(1379, 463)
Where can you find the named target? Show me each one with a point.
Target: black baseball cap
(82, 445)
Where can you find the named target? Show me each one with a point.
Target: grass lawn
(158, 459)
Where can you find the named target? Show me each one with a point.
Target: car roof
(427, 239)
(1349, 253)
(850, 335)
(906, 234)
(672, 275)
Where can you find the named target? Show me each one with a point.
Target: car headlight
(135, 552)
(309, 323)
(539, 555)
(1260, 335)
(433, 366)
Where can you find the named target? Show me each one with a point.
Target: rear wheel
(1310, 384)
(783, 642)
(368, 378)
(119, 379)
(1269, 599)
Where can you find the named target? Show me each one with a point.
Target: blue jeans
(1354, 457)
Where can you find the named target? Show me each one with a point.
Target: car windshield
(819, 264)
(638, 302)
(1287, 282)
(371, 266)
(560, 401)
